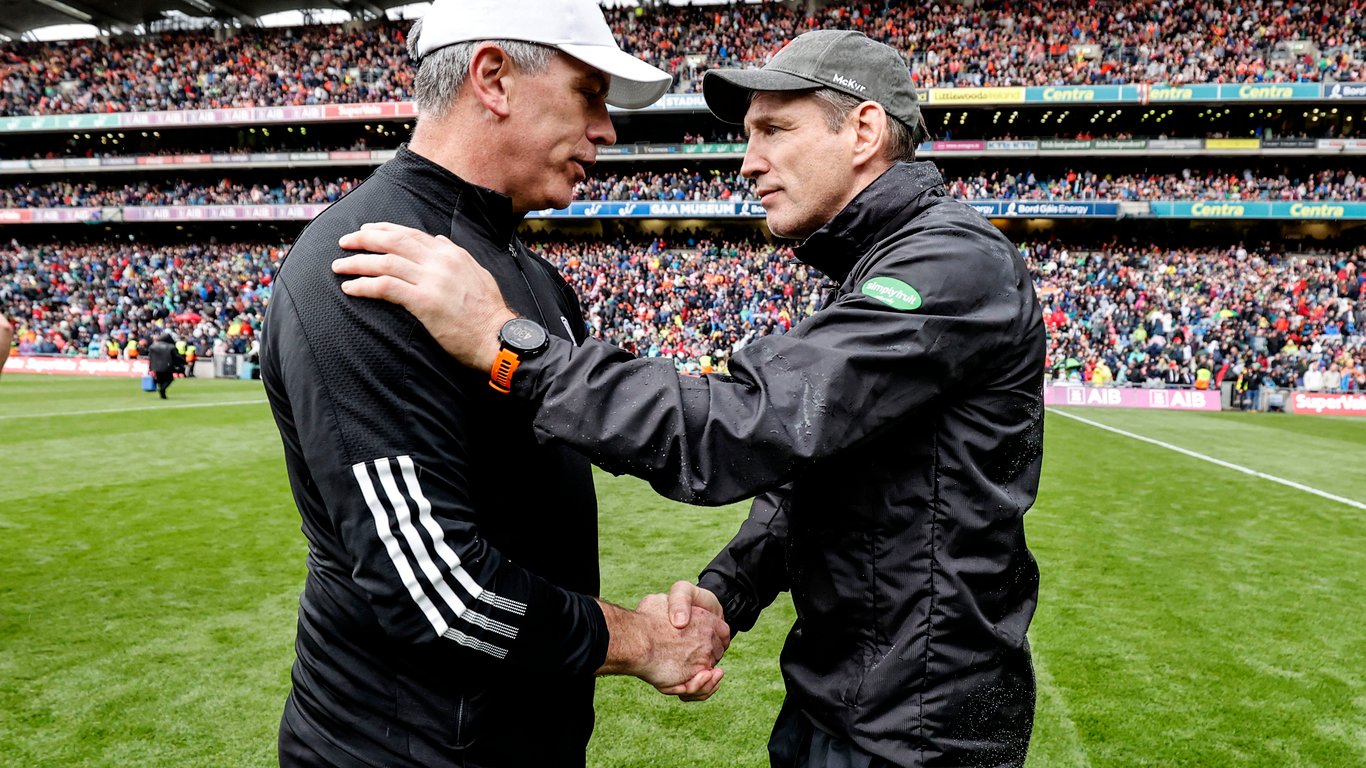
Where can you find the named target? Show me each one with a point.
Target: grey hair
(899, 144)
(441, 72)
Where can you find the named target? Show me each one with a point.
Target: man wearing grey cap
(449, 617)
(894, 438)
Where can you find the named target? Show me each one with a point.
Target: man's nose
(754, 163)
(600, 128)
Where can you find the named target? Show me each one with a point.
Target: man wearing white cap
(449, 616)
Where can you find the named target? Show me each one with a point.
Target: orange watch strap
(504, 365)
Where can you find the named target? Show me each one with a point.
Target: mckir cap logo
(892, 292)
(849, 83)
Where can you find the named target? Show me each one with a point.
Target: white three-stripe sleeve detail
(444, 551)
(424, 560)
(386, 535)
(478, 645)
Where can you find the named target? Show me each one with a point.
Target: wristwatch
(519, 339)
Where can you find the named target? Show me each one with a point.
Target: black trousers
(295, 752)
(164, 382)
(796, 743)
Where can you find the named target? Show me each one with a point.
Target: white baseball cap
(576, 27)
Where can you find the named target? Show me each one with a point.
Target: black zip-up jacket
(896, 436)
(451, 557)
(163, 357)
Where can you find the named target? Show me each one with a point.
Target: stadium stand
(1142, 315)
(222, 192)
(93, 300)
(1144, 282)
(1156, 316)
(1084, 42)
(720, 186)
(1000, 184)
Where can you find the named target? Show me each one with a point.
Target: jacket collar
(892, 199)
(487, 211)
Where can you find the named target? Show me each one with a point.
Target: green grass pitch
(1190, 615)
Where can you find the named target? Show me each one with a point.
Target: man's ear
(869, 121)
(489, 77)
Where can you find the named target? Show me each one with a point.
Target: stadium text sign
(1128, 397)
(1012, 209)
(75, 366)
(1254, 209)
(654, 209)
(996, 95)
(1332, 405)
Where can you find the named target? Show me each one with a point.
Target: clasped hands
(672, 641)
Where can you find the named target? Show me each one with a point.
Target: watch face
(524, 336)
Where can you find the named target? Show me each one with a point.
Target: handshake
(672, 641)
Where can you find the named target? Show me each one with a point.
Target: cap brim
(727, 91)
(634, 84)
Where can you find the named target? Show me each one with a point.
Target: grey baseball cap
(844, 60)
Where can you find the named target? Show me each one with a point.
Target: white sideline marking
(131, 410)
(1212, 460)
(1045, 684)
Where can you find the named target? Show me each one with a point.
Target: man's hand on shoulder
(436, 280)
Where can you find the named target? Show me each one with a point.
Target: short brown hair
(836, 105)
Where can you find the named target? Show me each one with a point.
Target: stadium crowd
(696, 300)
(994, 43)
(668, 185)
(1117, 314)
(1340, 184)
(89, 194)
(1005, 43)
(318, 64)
(111, 300)
(1194, 317)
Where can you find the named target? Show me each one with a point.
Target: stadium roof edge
(23, 16)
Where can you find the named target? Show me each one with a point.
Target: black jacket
(164, 358)
(451, 557)
(896, 437)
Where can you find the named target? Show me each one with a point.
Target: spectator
(164, 361)
(1067, 42)
(1129, 310)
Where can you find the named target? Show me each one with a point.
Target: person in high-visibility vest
(1241, 386)
(130, 350)
(191, 354)
(1202, 377)
(1101, 375)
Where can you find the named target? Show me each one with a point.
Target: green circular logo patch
(892, 292)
